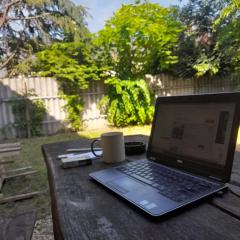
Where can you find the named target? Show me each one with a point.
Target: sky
(101, 10)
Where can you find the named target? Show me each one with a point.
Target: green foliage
(228, 42)
(210, 43)
(197, 51)
(70, 63)
(29, 114)
(205, 65)
(140, 39)
(128, 102)
(74, 108)
(74, 66)
(231, 8)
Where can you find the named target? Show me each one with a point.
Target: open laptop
(189, 157)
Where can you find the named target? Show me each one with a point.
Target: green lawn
(31, 155)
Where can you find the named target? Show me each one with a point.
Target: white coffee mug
(112, 144)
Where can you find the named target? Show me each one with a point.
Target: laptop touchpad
(125, 184)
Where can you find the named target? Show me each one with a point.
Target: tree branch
(29, 18)
(3, 14)
(7, 61)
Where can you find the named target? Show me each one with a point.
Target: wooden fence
(166, 85)
(47, 90)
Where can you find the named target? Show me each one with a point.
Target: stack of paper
(75, 160)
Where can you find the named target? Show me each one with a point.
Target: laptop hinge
(152, 158)
(215, 178)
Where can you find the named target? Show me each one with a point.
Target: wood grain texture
(235, 177)
(9, 149)
(84, 210)
(20, 197)
(17, 227)
(9, 154)
(22, 174)
(2, 175)
(6, 161)
(229, 201)
(10, 145)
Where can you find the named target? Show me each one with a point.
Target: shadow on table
(235, 177)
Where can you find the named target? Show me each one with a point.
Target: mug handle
(92, 147)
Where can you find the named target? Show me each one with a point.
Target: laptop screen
(199, 131)
(196, 133)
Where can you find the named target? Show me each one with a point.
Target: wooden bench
(7, 150)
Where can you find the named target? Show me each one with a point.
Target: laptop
(189, 157)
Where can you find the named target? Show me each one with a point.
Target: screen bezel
(184, 163)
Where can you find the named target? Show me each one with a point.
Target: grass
(31, 155)
(126, 131)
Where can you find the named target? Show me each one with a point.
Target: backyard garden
(198, 41)
(54, 71)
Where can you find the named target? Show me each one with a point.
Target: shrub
(127, 102)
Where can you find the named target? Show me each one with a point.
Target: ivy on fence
(29, 114)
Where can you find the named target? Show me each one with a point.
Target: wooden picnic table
(82, 209)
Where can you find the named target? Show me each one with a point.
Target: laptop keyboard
(170, 183)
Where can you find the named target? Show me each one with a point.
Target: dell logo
(179, 161)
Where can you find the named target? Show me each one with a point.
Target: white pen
(82, 149)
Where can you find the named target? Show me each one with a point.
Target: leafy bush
(74, 108)
(128, 102)
(74, 66)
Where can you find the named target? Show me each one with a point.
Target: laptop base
(143, 195)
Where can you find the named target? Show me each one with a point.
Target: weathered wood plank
(235, 177)
(3, 150)
(17, 227)
(229, 201)
(121, 221)
(9, 149)
(6, 161)
(23, 174)
(10, 145)
(2, 175)
(9, 154)
(20, 197)
(17, 170)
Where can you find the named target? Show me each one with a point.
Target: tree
(28, 25)
(197, 51)
(231, 8)
(140, 39)
(228, 41)
(74, 66)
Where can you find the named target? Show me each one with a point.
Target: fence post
(27, 115)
